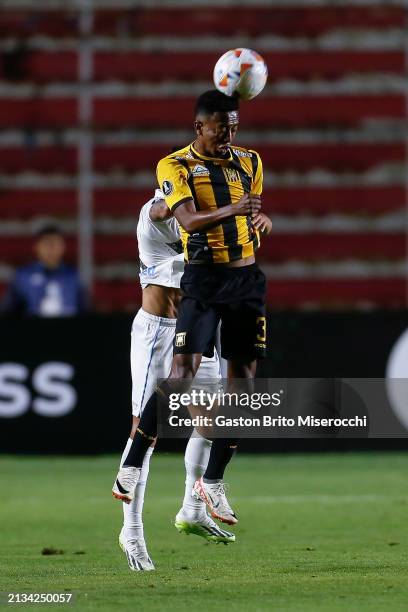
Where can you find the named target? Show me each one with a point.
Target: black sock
(147, 431)
(220, 456)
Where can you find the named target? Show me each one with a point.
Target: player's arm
(192, 220)
(173, 181)
(159, 211)
(262, 223)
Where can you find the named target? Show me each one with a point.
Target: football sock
(132, 513)
(126, 451)
(147, 429)
(195, 460)
(145, 434)
(220, 455)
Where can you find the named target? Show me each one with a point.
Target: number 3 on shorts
(261, 324)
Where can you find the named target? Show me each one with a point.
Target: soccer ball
(240, 72)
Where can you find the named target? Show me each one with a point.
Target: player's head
(216, 121)
(49, 245)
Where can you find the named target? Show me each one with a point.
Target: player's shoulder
(244, 153)
(178, 156)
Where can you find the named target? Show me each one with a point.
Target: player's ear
(198, 126)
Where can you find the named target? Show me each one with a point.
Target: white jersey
(151, 352)
(160, 249)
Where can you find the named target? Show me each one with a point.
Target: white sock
(195, 460)
(132, 513)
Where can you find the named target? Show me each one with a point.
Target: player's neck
(201, 150)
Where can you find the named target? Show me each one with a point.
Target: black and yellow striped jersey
(213, 182)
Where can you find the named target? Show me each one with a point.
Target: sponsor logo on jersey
(242, 153)
(167, 188)
(231, 175)
(149, 272)
(180, 339)
(199, 170)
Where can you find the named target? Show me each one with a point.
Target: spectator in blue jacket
(47, 287)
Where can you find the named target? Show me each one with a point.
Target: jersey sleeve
(257, 176)
(172, 178)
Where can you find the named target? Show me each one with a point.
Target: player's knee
(241, 369)
(135, 425)
(185, 366)
(183, 371)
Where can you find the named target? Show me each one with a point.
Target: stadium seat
(44, 66)
(330, 130)
(131, 158)
(285, 21)
(291, 201)
(277, 111)
(282, 246)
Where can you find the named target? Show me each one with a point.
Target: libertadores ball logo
(167, 188)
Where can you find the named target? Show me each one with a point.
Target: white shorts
(151, 354)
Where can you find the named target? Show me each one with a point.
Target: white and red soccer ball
(240, 72)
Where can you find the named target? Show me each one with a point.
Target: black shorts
(234, 296)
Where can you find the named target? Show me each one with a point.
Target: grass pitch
(316, 532)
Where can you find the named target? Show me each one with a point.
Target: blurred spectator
(47, 287)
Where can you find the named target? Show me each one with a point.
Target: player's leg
(131, 537)
(150, 358)
(243, 340)
(192, 518)
(210, 487)
(195, 329)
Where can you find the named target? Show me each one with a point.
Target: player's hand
(247, 205)
(262, 223)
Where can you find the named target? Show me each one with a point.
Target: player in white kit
(161, 268)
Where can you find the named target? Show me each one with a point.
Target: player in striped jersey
(213, 189)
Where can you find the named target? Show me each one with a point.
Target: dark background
(301, 345)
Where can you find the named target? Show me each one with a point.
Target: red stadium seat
(291, 201)
(41, 58)
(44, 66)
(277, 157)
(195, 66)
(48, 159)
(38, 112)
(286, 21)
(313, 246)
(282, 111)
(334, 199)
(288, 111)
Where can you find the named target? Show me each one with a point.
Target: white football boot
(136, 553)
(125, 483)
(214, 496)
(202, 525)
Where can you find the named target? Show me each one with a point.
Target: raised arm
(192, 220)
